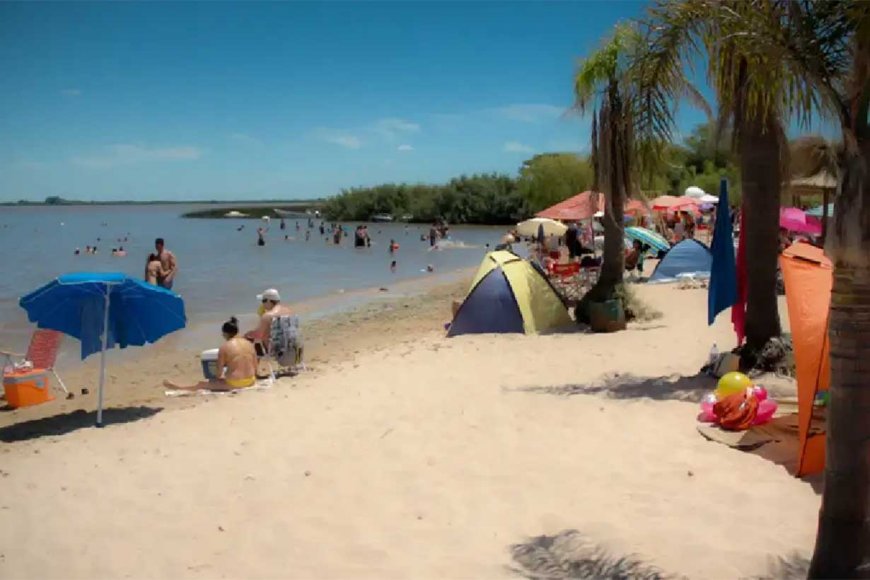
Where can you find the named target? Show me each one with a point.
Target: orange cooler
(24, 388)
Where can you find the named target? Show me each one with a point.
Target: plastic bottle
(714, 355)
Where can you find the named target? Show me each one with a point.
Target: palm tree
(605, 83)
(600, 84)
(774, 57)
(828, 45)
(754, 98)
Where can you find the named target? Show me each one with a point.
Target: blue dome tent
(689, 257)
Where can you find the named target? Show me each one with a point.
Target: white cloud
(517, 147)
(127, 154)
(392, 127)
(71, 92)
(405, 147)
(530, 112)
(338, 137)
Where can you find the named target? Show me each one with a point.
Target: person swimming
(236, 363)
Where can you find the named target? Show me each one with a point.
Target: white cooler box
(209, 364)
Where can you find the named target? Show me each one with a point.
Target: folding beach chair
(283, 352)
(42, 353)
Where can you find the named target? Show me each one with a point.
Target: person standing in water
(168, 265)
(261, 239)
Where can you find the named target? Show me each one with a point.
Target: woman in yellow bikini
(237, 363)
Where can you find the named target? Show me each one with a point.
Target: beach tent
(808, 277)
(689, 257)
(509, 294)
(584, 206)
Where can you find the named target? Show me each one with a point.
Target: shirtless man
(168, 265)
(236, 363)
(271, 308)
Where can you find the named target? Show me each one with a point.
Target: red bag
(736, 412)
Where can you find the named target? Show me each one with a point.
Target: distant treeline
(542, 181)
(254, 211)
(480, 199)
(55, 200)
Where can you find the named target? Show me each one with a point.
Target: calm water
(221, 269)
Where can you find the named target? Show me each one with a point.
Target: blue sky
(284, 100)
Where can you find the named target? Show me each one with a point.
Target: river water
(221, 269)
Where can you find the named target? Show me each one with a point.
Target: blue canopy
(722, 292)
(75, 304)
(689, 257)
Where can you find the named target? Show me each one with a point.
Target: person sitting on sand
(236, 363)
(121, 252)
(270, 309)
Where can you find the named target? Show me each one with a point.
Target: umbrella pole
(103, 358)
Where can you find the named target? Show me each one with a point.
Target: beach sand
(409, 455)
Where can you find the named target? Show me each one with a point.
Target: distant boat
(235, 214)
(382, 218)
(406, 218)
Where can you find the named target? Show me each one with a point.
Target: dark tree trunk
(761, 178)
(843, 540)
(613, 174)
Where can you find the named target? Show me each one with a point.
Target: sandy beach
(405, 454)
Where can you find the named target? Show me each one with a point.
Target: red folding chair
(42, 353)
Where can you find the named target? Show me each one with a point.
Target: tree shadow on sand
(569, 554)
(627, 386)
(73, 421)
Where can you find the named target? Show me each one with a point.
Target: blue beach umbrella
(648, 237)
(722, 292)
(83, 304)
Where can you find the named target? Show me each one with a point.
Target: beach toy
(707, 415)
(732, 383)
(760, 393)
(766, 409)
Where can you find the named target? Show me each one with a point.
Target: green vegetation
(542, 181)
(481, 199)
(550, 178)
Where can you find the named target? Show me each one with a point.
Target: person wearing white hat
(270, 307)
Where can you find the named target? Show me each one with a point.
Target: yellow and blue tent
(509, 294)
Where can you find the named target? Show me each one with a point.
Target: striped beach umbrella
(648, 237)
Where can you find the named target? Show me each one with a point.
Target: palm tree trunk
(843, 540)
(761, 180)
(614, 247)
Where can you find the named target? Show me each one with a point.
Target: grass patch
(636, 310)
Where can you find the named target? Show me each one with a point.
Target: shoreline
(336, 328)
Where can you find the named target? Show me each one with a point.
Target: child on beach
(393, 266)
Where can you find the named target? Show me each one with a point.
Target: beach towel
(258, 386)
(285, 341)
(736, 412)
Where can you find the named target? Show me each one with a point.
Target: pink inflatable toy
(766, 409)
